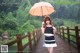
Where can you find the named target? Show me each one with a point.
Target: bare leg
(50, 49)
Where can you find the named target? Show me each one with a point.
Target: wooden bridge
(63, 40)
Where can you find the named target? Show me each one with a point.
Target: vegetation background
(15, 17)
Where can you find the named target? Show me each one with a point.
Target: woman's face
(48, 22)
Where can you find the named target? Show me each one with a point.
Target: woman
(49, 31)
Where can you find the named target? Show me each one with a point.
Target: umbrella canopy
(41, 9)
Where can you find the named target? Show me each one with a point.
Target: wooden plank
(11, 43)
(73, 41)
(65, 33)
(78, 29)
(25, 45)
(72, 29)
(24, 36)
(72, 35)
(63, 47)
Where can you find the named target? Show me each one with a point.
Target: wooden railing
(67, 31)
(32, 37)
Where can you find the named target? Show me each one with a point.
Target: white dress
(49, 38)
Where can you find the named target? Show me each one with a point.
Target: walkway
(62, 47)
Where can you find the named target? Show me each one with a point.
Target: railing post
(40, 33)
(60, 31)
(68, 33)
(19, 43)
(34, 37)
(63, 32)
(37, 36)
(30, 42)
(77, 38)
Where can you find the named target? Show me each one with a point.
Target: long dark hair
(47, 19)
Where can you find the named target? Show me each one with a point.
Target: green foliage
(12, 32)
(1, 23)
(22, 15)
(11, 17)
(58, 22)
(10, 22)
(69, 22)
(10, 25)
(1, 31)
(26, 27)
(36, 23)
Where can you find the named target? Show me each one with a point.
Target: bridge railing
(67, 34)
(31, 36)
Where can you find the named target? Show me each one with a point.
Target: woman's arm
(54, 31)
(42, 29)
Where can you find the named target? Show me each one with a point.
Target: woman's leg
(50, 49)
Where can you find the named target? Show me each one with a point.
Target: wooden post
(30, 42)
(19, 43)
(77, 38)
(37, 35)
(63, 32)
(60, 31)
(68, 33)
(40, 33)
(34, 37)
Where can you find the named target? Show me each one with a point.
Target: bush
(10, 25)
(26, 27)
(1, 31)
(35, 23)
(12, 32)
(58, 22)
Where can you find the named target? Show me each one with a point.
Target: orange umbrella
(41, 9)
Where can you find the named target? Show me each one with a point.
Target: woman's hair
(47, 18)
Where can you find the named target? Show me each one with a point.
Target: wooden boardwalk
(63, 47)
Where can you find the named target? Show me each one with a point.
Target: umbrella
(41, 9)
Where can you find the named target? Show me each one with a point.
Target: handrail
(34, 36)
(62, 33)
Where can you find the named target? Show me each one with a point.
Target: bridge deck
(63, 47)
